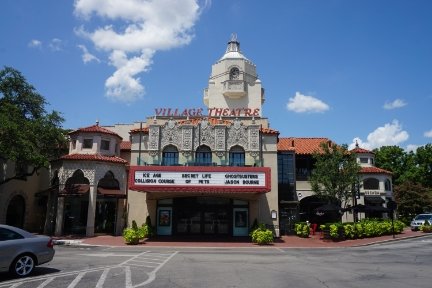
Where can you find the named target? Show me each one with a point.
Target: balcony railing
(234, 88)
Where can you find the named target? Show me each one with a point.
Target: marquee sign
(154, 178)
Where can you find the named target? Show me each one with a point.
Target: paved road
(397, 264)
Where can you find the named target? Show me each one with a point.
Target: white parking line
(102, 278)
(128, 277)
(76, 280)
(142, 260)
(46, 282)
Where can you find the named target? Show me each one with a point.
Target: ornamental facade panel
(238, 135)
(254, 140)
(170, 134)
(187, 138)
(154, 134)
(67, 170)
(220, 144)
(206, 135)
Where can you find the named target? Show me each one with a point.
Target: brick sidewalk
(314, 241)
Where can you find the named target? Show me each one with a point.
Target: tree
(400, 163)
(423, 159)
(335, 173)
(29, 135)
(412, 199)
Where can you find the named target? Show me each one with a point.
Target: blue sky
(341, 69)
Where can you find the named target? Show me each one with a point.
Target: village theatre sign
(211, 112)
(202, 179)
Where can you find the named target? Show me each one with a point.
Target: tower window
(88, 143)
(105, 145)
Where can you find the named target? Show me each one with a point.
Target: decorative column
(91, 212)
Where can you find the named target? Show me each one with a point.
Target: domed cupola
(365, 157)
(233, 50)
(234, 84)
(94, 140)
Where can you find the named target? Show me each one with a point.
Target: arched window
(237, 156)
(371, 184)
(387, 185)
(170, 156)
(203, 155)
(234, 73)
(109, 181)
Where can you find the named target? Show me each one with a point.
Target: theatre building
(208, 171)
(205, 170)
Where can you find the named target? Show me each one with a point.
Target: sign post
(392, 205)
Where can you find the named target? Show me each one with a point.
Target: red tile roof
(125, 145)
(374, 170)
(359, 150)
(95, 129)
(269, 131)
(145, 130)
(304, 146)
(94, 157)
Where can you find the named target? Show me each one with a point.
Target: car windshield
(423, 217)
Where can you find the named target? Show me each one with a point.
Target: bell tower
(233, 82)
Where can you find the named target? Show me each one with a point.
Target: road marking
(279, 249)
(107, 255)
(102, 278)
(138, 261)
(128, 277)
(152, 274)
(46, 282)
(76, 280)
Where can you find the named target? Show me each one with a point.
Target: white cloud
(34, 43)
(412, 147)
(388, 135)
(87, 56)
(428, 134)
(398, 103)
(137, 30)
(301, 103)
(56, 44)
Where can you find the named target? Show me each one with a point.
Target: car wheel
(22, 266)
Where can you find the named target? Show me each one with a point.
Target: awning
(111, 192)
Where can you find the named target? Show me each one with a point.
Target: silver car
(419, 220)
(21, 251)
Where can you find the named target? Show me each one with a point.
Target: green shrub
(262, 235)
(131, 236)
(134, 234)
(336, 231)
(302, 229)
(349, 230)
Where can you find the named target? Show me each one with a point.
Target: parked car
(419, 220)
(21, 251)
